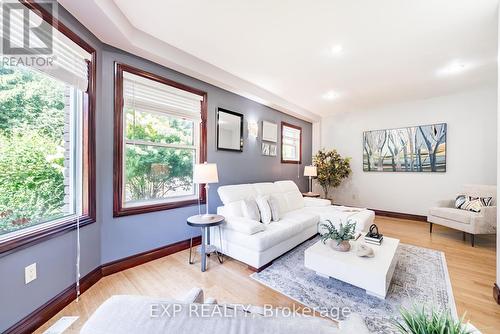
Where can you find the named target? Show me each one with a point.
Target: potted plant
(331, 169)
(419, 321)
(339, 237)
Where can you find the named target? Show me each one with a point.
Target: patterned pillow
(471, 203)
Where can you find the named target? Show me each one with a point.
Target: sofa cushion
(458, 215)
(471, 203)
(337, 213)
(264, 208)
(233, 209)
(272, 235)
(294, 200)
(293, 223)
(265, 188)
(292, 195)
(275, 208)
(251, 209)
(315, 202)
(237, 192)
(306, 218)
(244, 225)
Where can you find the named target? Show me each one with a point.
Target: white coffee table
(372, 274)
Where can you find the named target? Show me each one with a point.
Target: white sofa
(257, 244)
(484, 222)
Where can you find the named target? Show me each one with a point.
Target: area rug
(420, 278)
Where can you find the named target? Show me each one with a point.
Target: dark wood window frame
(46, 231)
(118, 209)
(283, 161)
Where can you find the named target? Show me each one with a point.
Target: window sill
(137, 210)
(42, 234)
(291, 162)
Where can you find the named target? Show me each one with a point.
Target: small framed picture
(269, 131)
(272, 150)
(265, 149)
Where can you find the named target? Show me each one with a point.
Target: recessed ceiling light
(454, 67)
(331, 95)
(337, 49)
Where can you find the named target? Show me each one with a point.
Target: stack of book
(374, 240)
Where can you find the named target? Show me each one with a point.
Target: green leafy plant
(419, 321)
(344, 232)
(331, 169)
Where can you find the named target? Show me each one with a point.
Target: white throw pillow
(265, 210)
(274, 204)
(250, 210)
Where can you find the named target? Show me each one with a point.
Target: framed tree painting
(412, 149)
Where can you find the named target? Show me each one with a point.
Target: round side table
(205, 223)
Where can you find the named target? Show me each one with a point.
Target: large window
(46, 152)
(159, 132)
(291, 143)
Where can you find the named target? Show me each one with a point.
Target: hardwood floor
(472, 273)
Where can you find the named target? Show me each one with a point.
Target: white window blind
(69, 59)
(144, 94)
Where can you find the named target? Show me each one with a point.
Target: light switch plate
(30, 273)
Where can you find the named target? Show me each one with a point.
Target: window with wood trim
(160, 133)
(47, 152)
(291, 143)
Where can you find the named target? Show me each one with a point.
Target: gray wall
(130, 235)
(111, 239)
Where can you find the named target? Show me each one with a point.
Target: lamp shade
(310, 171)
(205, 173)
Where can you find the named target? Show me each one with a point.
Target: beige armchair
(483, 222)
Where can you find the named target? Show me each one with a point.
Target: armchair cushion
(458, 215)
(471, 203)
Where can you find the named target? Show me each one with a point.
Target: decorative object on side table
(331, 169)
(364, 251)
(313, 195)
(339, 237)
(373, 236)
(205, 224)
(205, 173)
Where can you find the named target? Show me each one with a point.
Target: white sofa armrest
(316, 202)
(243, 225)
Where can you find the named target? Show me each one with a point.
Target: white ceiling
(279, 52)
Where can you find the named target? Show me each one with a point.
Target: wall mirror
(229, 130)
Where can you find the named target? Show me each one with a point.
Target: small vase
(343, 246)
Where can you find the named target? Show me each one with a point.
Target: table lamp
(310, 171)
(205, 173)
